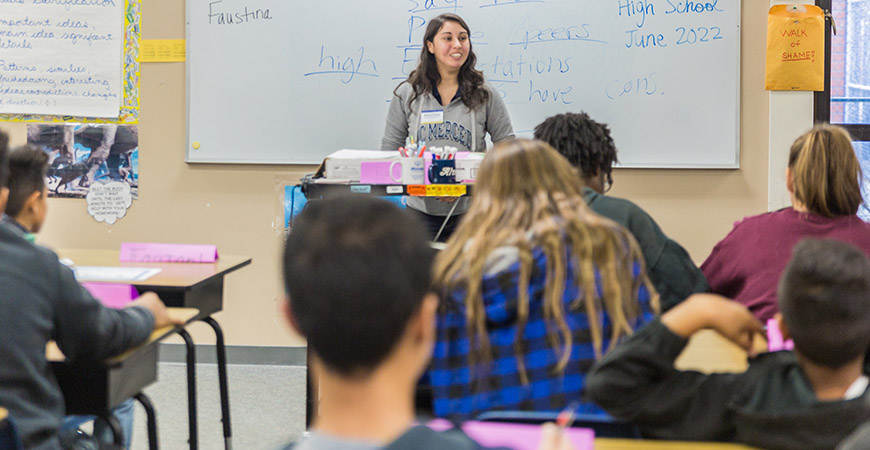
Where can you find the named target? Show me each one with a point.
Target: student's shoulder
(424, 438)
(773, 371)
(762, 223)
(23, 252)
(620, 210)
(766, 219)
(618, 206)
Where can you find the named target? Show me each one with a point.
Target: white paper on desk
(128, 274)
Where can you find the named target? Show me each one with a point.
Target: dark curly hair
(426, 77)
(584, 142)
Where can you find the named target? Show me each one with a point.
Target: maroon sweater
(746, 265)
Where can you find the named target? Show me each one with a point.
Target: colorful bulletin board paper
(129, 63)
(162, 50)
(153, 252)
(795, 48)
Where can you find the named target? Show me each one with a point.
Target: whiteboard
(287, 81)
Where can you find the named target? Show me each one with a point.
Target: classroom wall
(239, 207)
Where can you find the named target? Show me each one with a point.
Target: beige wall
(238, 207)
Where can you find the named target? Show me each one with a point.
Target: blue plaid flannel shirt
(497, 385)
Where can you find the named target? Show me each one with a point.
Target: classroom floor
(267, 406)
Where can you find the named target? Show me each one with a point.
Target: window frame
(822, 99)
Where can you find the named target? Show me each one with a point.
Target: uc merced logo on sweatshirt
(445, 131)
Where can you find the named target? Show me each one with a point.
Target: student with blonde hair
(823, 177)
(534, 288)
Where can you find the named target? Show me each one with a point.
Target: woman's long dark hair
(426, 77)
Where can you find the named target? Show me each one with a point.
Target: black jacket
(771, 405)
(669, 266)
(40, 300)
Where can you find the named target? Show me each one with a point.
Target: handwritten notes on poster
(61, 57)
(795, 48)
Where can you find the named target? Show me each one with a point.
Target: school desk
(647, 444)
(194, 285)
(96, 388)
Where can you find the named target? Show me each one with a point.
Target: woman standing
(445, 102)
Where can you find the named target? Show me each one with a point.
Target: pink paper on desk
(514, 435)
(774, 338)
(112, 295)
(153, 252)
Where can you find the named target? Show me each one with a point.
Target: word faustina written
(235, 18)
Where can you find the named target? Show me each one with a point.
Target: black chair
(9, 438)
(604, 426)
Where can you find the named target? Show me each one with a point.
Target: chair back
(9, 438)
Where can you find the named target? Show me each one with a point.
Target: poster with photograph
(84, 154)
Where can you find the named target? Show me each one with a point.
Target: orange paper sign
(437, 190)
(795, 48)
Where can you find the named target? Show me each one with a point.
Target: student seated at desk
(26, 211)
(356, 271)
(823, 177)
(809, 398)
(587, 145)
(535, 287)
(40, 300)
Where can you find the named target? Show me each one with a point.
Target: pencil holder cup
(412, 172)
(442, 171)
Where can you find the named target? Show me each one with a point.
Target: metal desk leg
(222, 379)
(191, 388)
(152, 420)
(447, 219)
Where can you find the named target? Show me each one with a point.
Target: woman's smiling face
(450, 46)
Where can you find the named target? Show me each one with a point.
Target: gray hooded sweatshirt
(461, 127)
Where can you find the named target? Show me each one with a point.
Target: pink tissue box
(378, 172)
